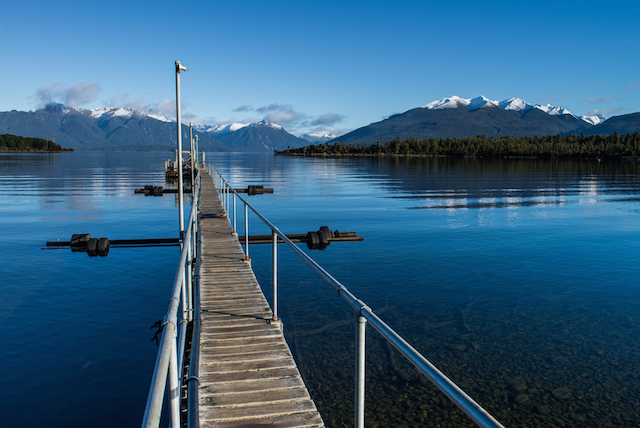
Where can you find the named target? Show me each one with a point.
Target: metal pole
(275, 274)
(174, 386)
(235, 230)
(179, 157)
(361, 325)
(193, 169)
(246, 233)
(197, 152)
(189, 289)
(194, 225)
(225, 194)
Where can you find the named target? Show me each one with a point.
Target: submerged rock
(562, 393)
(542, 409)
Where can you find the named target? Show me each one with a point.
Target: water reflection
(517, 278)
(74, 327)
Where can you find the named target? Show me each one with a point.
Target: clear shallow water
(518, 279)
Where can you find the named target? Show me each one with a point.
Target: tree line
(16, 143)
(553, 146)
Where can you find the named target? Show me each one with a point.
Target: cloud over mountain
(605, 112)
(327, 119)
(74, 96)
(290, 118)
(163, 108)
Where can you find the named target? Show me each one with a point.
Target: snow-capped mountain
(110, 128)
(262, 136)
(221, 129)
(594, 120)
(318, 137)
(457, 117)
(110, 112)
(515, 104)
(226, 128)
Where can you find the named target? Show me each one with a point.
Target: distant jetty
(15, 143)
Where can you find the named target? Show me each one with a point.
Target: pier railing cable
(169, 362)
(364, 314)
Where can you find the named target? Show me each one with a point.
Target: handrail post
(275, 274)
(361, 325)
(226, 199)
(194, 225)
(246, 233)
(235, 230)
(174, 385)
(188, 303)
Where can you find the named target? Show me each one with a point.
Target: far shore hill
(14, 143)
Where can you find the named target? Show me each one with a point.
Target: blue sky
(309, 66)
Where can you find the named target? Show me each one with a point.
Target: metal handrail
(168, 362)
(363, 314)
(193, 380)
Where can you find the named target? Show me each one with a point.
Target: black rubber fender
(79, 239)
(325, 235)
(92, 245)
(313, 240)
(103, 247)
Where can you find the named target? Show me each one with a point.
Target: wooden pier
(248, 377)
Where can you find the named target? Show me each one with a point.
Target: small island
(14, 143)
(613, 146)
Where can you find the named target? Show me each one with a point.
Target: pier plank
(247, 374)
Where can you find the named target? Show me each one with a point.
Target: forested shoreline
(614, 146)
(14, 143)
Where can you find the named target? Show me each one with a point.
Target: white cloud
(166, 107)
(281, 114)
(632, 85)
(74, 96)
(286, 116)
(328, 119)
(604, 112)
(598, 100)
(243, 108)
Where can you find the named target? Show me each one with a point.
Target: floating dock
(247, 375)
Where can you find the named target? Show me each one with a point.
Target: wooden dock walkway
(248, 377)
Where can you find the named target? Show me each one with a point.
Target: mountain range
(456, 117)
(120, 128)
(262, 136)
(105, 129)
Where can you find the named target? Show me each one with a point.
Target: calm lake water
(518, 279)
